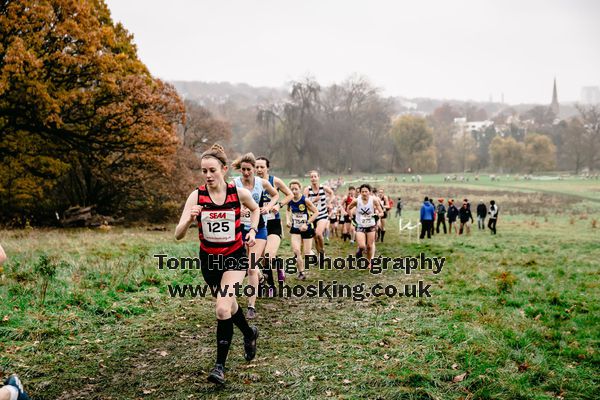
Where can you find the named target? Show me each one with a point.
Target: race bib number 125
(218, 226)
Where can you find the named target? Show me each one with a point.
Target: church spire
(554, 105)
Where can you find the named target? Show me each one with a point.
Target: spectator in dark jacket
(464, 214)
(493, 216)
(434, 215)
(399, 207)
(481, 214)
(427, 211)
(452, 215)
(441, 216)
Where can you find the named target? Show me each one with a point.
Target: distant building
(476, 126)
(463, 126)
(590, 95)
(554, 106)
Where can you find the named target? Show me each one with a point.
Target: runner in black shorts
(273, 218)
(300, 224)
(367, 207)
(385, 205)
(348, 232)
(320, 196)
(216, 208)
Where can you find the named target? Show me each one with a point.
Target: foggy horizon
(468, 51)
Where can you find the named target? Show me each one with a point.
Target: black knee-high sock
(239, 319)
(224, 336)
(269, 275)
(382, 235)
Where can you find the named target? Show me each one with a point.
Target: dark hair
(365, 185)
(216, 151)
(492, 202)
(266, 160)
(426, 198)
(351, 188)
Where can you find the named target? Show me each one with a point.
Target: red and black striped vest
(232, 202)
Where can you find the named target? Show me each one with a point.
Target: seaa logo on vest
(217, 215)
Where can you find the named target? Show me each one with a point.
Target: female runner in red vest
(216, 206)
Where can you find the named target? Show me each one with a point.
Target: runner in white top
(367, 207)
(320, 196)
(246, 165)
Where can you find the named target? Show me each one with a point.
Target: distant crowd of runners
(242, 219)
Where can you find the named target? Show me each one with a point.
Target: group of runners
(241, 220)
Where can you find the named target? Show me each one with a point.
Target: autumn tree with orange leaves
(82, 121)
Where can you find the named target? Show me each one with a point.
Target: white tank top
(365, 213)
(257, 193)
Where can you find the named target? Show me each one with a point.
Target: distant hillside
(213, 94)
(242, 94)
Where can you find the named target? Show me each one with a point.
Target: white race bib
(366, 220)
(245, 216)
(299, 219)
(218, 226)
(269, 216)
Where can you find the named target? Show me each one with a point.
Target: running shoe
(250, 345)
(15, 382)
(251, 314)
(216, 375)
(281, 275)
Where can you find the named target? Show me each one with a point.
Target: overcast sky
(455, 49)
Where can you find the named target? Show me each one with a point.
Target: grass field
(512, 316)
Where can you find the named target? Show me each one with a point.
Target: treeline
(83, 122)
(342, 128)
(532, 141)
(350, 127)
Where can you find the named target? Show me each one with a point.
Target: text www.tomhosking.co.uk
(330, 290)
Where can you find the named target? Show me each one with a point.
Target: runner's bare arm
(280, 184)
(288, 214)
(287, 199)
(190, 211)
(272, 193)
(330, 194)
(351, 206)
(377, 205)
(248, 202)
(2, 255)
(313, 209)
